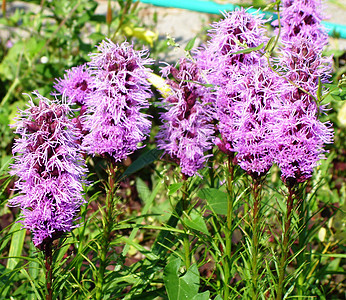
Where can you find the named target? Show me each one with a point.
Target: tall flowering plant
(187, 130)
(114, 118)
(301, 135)
(50, 170)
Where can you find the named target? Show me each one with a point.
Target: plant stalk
(255, 236)
(107, 229)
(285, 244)
(228, 232)
(186, 236)
(49, 270)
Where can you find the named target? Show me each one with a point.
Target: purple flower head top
(300, 135)
(246, 90)
(301, 138)
(75, 85)
(237, 31)
(120, 92)
(50, 170)
(246, 113)
(302, 18)
(187, 132)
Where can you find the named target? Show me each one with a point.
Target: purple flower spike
(300, 135)
(50, 170)
(246, 90)
(237, 31)
(302, 18)
(75, 85)
(186, 133)
(246, 113)
(120, 92)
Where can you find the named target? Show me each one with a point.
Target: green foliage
(156, 235)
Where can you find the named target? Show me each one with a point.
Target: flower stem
(257, 187)
(186, 236)
(228, 232)
(49, 270)
(285, 244)
(107, 229)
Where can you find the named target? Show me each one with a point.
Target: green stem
(228, 232)
(257, 187)
(107, 229)
(285, 244)
(49, 270)
(186, 236)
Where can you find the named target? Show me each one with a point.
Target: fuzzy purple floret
(300, 135)
(120, 92)
(187, 132)
(50, 170)
(246, 90)
(75, 85)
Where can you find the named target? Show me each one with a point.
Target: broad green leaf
(202, 296)
(180, 287)
(339, 95)
(196, 222)
(144, 160)
(216, 199)
(174, 187)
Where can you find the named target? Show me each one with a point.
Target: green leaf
(16, 246)
(216, 199)
(248, 50)
(180, 287)
(339, 95)
(270, 45)
(319, 90)
(190, 44)
(218, 297)
(174, 187)
(142, 189)
(144, 160)
(196, 222)
(202, 296)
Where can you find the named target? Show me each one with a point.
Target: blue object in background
(210, 7)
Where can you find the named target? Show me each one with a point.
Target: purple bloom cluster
(50, 170)
(302, 18)
(238, 30)
(246, 90)
(118, 93)
(301, 136)
(187, 132)
(75, 85)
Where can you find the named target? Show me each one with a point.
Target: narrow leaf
(248, 50)
(190, 44)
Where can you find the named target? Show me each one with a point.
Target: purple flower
(75, 85)
(50, 170)
(120, 92)
(246, 90)
(300, 135)
(302, 18)
(301, 138)
(246, 111)
(238, 30)
(187, 132)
